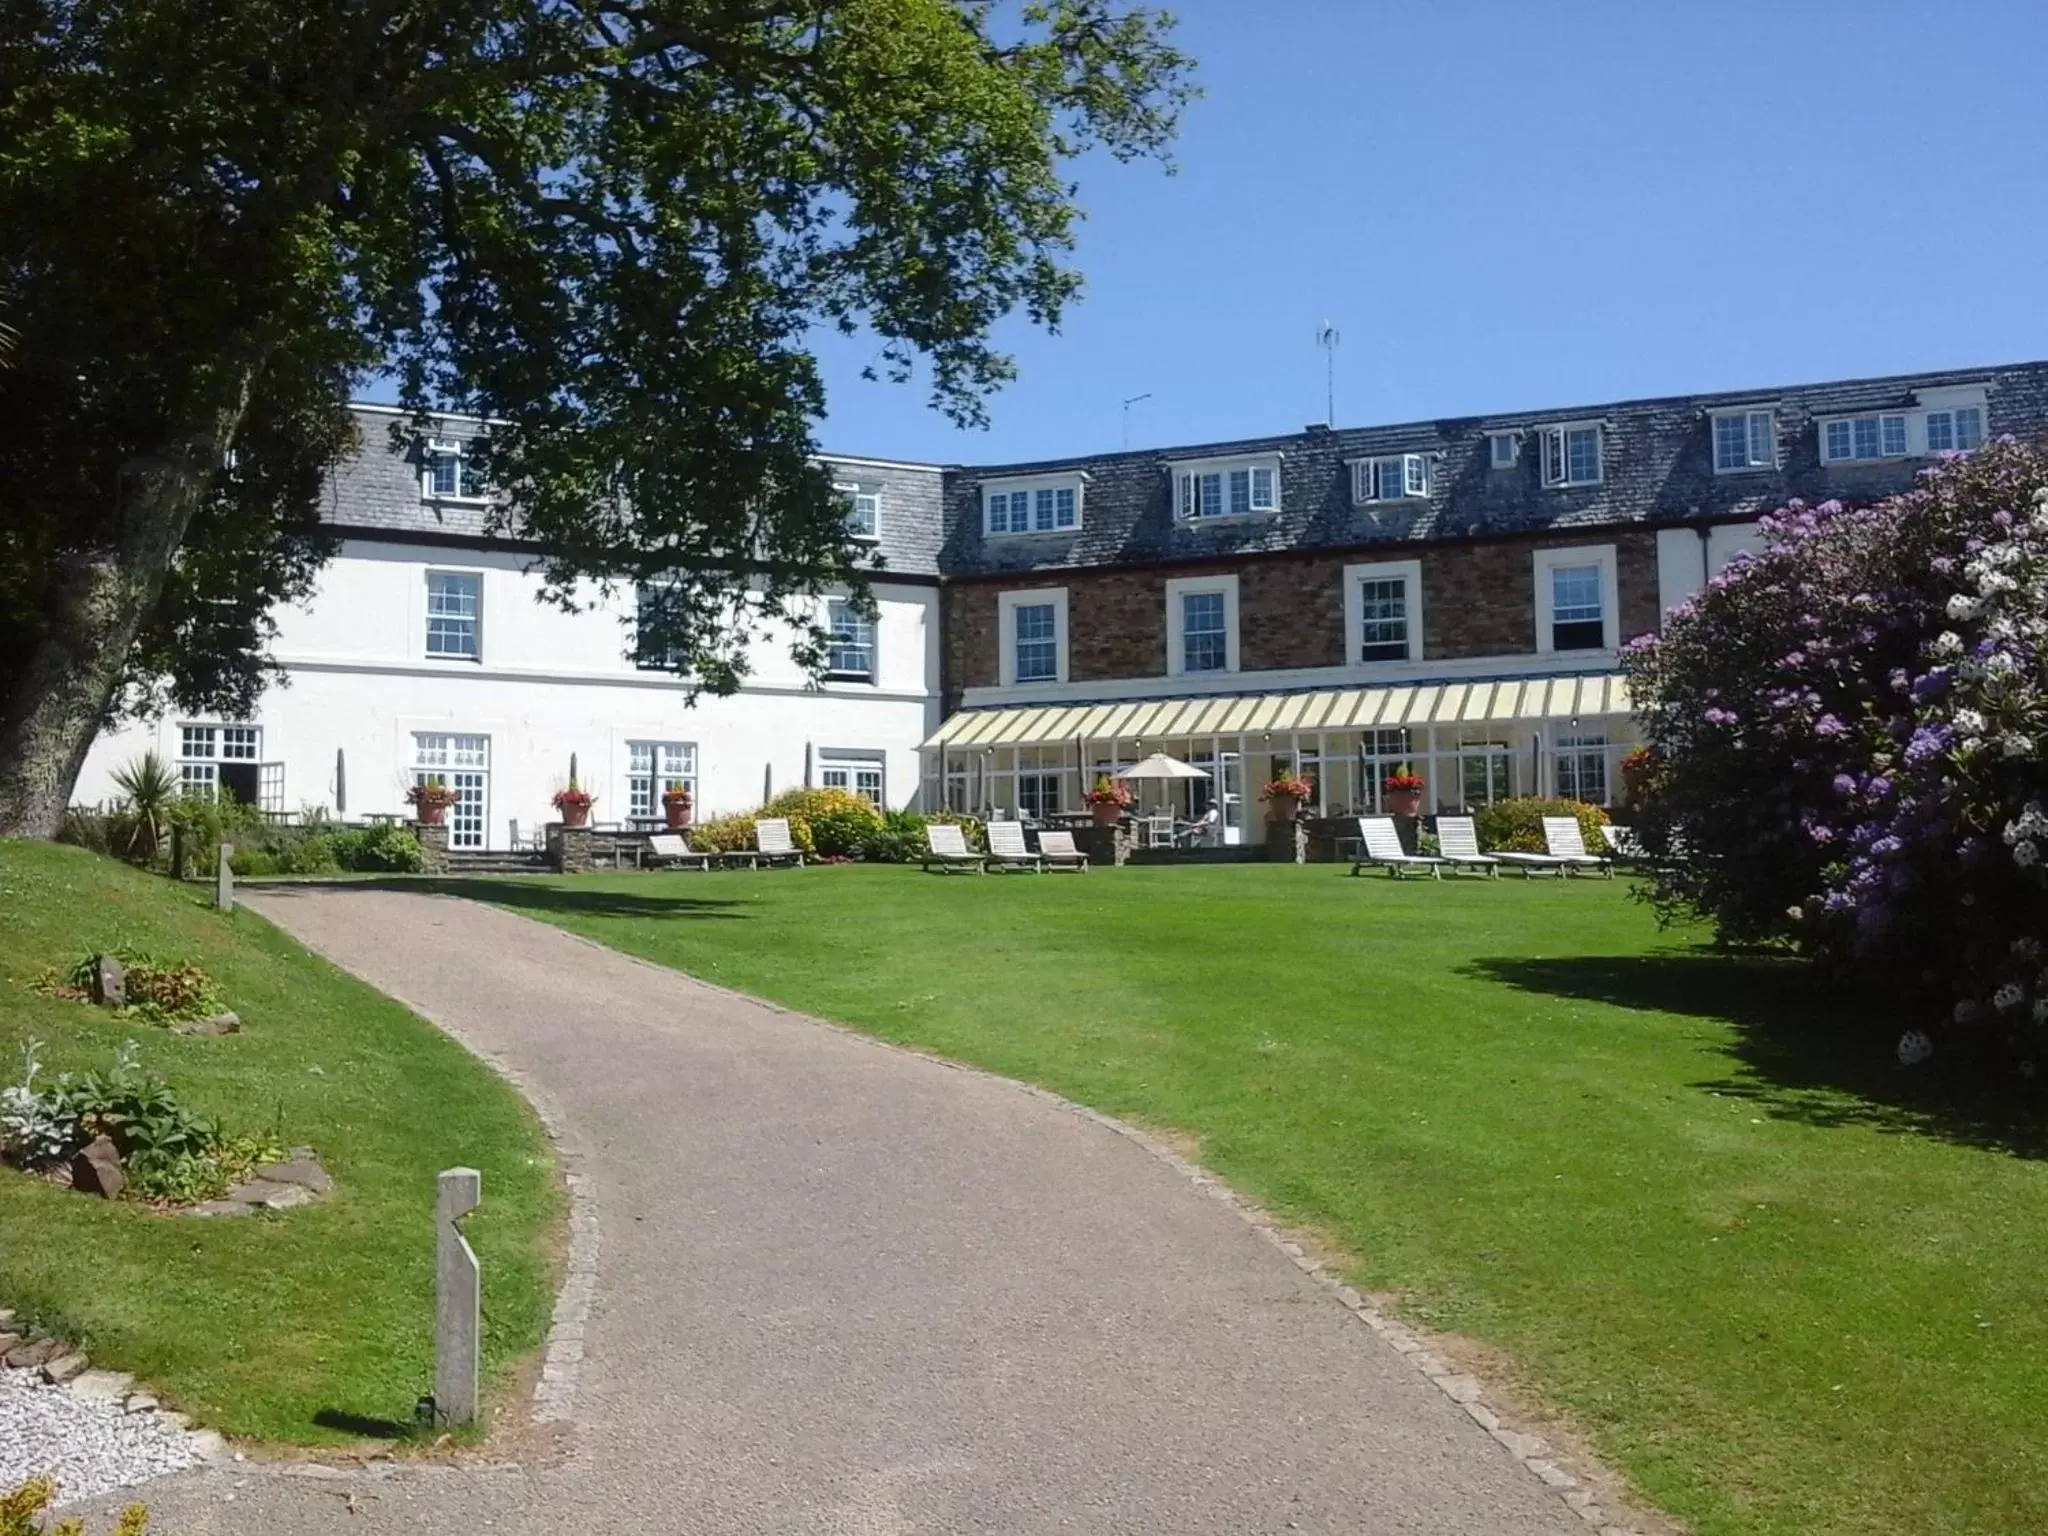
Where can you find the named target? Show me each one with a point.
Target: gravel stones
(88, 1445)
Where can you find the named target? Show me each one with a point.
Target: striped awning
(1320, 709)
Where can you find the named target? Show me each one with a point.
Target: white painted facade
(544, 684)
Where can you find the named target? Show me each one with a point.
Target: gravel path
(89, 1447)
(846, 1290)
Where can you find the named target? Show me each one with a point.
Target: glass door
(463, 763)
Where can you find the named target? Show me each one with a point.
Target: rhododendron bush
(1846, 736)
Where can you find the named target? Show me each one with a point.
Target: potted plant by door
(1401, 792)
(1283, 796)
(675, 805)
(430, 800)
(1107, 801)
(574, 804)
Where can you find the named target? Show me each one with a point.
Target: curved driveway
(847, 1290)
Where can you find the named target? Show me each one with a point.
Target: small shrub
(161, 991)
(309, 856)
(1516, 826)
(724, 834)
(21, 1513)
(898, 839)
(34, 1128)
(837, 821)
(254, 861)
(383, 849)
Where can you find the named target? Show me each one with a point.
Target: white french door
(463, 763)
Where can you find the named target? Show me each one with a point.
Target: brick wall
(1477, 600)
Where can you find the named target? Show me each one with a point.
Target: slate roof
(1658, 468)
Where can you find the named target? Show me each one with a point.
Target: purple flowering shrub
(1849, 743)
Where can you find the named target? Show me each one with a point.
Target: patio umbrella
(1163, 768)
(1160, 766)
(340, 781)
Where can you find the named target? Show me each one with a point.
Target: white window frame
(853, 493)
(476, 652)
(1760, 439)
(1184, 477)
(1547, 560)
(1007, 604)
(1557, 453)
(644, 593)
(852, 763)
(1495, 442)
(833, 607)
(1029, 487)
(1582, 748)
(655, 780)
(203, 747)
(1409, 573)
(1408, 472)
(1907, 421)
(455, 448)
(444, 762)
(1176, 646)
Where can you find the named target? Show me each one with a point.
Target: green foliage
(897, 839)
(971, 827)
(21, 1513)
(149, 787)
(838, 822)
(161, 991)
(725, 834)
(1516, 826)
(610, 231)
(385, 848)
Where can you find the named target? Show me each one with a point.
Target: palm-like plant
(149, 785)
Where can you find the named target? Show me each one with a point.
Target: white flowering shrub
(1846, 739)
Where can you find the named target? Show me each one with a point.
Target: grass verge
(1782, 1285)
(309, 1326)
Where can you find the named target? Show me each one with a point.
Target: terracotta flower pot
(1402, 802)
(431, 813)
(1107, 813)
(1282, 807)
(576, 815)
(677, 812)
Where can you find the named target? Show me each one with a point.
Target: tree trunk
(99, 603)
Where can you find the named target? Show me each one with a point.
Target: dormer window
(1744, 440)
(1849, 438)
(863, 505)
(1955, 431)
(1572, 454)
(448, 474)
(1504, 449)
(1206, 489)
(1391, 477)
(1048, 505)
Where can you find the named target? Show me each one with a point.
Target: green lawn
(1777, 1293)
(313, 1325)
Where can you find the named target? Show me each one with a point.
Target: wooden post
(177, 850)
(224, 879)
(458, 1311)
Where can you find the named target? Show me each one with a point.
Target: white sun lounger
(1383, 848)
(772, 842)
(1458, 845)
(1567, 842)
(1622, 842)
(1059, 852)
(1006, 848)
(946, 847)
(669, 848)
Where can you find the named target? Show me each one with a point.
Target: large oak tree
(608, 226)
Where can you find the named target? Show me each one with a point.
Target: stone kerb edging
(1533, 1452)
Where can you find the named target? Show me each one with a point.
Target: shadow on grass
(574, 900)
(1805, 1050)
(525, 894)
(359, 1424)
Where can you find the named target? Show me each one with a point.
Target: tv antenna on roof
(1128, 403)
(1327, 337)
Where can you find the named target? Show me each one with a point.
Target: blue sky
(1505, 205)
